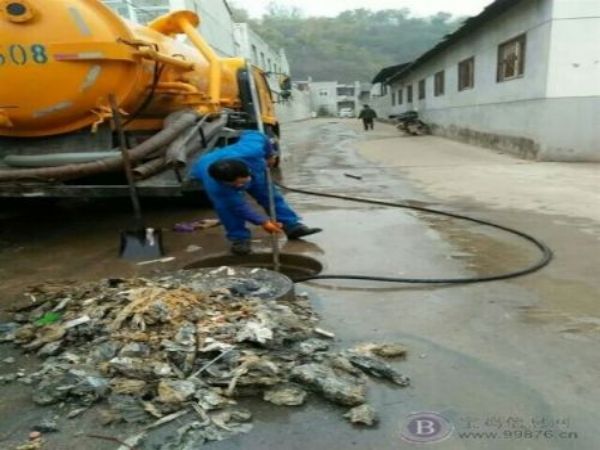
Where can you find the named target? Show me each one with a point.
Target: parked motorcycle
(410, 124)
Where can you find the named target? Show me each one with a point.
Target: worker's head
(230, 171)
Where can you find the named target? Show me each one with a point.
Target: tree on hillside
(240, 15)
(352, 46)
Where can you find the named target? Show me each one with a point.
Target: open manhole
(251, 275)
(293, 266)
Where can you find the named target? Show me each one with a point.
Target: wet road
(487, 357)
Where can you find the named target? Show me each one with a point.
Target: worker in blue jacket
(227, 174)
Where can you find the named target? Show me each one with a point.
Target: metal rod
(273, 214)
(270, 186)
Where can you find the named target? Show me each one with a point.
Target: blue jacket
(253, 148)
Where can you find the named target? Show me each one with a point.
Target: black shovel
(140, 243)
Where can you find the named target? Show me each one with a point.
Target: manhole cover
(241, 281)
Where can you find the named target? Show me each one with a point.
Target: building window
(323, 92)
(511, 59)
(263, 61)
(439, 83)
(345, 91)
(409, 94)
(400, 96)
(422, 89)
(393, 99)
(141, 11)
(254, 54)
(466, 74)
(384, 89)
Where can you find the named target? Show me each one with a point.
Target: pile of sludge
(152, 350)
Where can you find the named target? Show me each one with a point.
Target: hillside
(352, 46)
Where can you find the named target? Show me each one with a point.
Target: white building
(253, 47)
(381, 98)
(523, 76)
(329, 97)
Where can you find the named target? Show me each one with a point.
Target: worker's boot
(300, 230)
(241, 248)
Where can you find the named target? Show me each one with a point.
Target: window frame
(422, 88)
(462, 64)
(439, 83)
(254, 51)
(140, 14)
(520, 69)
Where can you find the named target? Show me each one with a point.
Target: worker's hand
(272, 227)
(272, 161)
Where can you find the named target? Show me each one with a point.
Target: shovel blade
(141, 245)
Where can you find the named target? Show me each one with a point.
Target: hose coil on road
(545, 257)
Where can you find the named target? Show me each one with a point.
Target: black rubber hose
(158, 70)
(544, 260)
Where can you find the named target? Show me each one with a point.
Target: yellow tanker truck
(61, 61)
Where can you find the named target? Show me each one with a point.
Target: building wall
(216, 24)
(575, 49)
(324, 97)
(381, 100)
(531, 116)
(363, 94)
(142, 11)
(530, 17)
(330, 96)
(298, 108)
(255, 49)
(252, 47)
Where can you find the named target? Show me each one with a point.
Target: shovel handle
(118, 122)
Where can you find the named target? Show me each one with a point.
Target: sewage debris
(149, 351)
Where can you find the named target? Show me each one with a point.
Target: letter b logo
(426, 427)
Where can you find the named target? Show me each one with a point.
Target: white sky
(332, 7)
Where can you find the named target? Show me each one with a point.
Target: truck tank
(60, 59)
(60, 63)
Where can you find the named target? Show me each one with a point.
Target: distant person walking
(368, 116)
